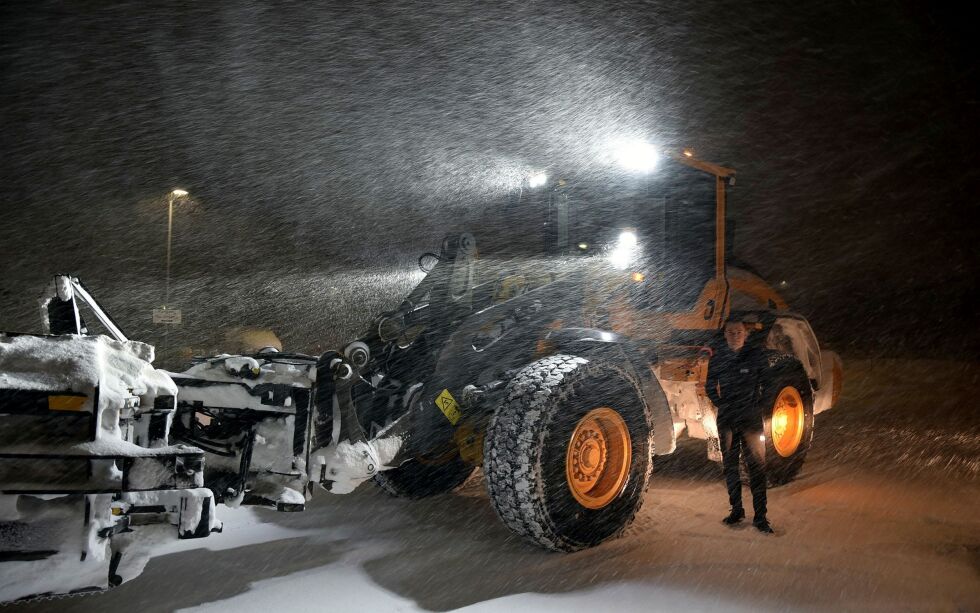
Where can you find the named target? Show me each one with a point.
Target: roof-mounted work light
(537, 180)
(637, 156)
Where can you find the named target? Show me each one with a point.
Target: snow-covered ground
(882, 518)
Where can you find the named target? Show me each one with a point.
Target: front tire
(568, 454)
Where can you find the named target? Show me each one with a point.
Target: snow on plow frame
(88, 480)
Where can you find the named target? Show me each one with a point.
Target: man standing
(733, 385)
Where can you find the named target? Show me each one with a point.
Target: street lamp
(165, 315)
(172, 197)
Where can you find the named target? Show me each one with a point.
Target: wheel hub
(786, 425)
(598, 458)
(589, 455)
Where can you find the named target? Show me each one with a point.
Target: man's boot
(762, 525)
(737, 515)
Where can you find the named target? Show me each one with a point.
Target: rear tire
(553, 492)
(787, 401)
(417, 479)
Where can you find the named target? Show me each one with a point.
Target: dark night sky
(335, 134)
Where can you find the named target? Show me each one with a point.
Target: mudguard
(588, 342)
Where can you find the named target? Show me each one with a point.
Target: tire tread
(515, 435)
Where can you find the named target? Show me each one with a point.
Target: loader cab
(657, 226)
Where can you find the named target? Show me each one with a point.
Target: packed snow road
(883, 517)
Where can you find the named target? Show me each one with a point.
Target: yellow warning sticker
(449, 407)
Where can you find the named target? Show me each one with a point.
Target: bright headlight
(637, 156)
(627, 239)
(537, 180)
(625, 251)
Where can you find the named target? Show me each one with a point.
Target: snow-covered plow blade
(88, 479)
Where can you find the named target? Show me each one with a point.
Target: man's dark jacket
(739, 377)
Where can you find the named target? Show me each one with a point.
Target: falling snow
(325, 147)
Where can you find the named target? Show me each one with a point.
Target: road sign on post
(166, 316)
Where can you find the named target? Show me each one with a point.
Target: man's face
(735, 334)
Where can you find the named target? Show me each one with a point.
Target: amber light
(66, 403)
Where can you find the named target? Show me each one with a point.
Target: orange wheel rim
(598, 459)
(786, 426)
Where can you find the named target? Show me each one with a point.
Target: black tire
(786, 371)
(526, 445)
(417, 479)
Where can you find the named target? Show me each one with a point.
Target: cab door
(691, 272)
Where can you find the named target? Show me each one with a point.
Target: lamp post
(172, 197)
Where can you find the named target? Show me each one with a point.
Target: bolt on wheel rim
(786, 426)
(598, 458)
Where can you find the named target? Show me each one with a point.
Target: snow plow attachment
(88, 479)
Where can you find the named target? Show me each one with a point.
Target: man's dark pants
(747, 439)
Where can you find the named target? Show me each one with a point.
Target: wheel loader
(562, 367)
(562, 364)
